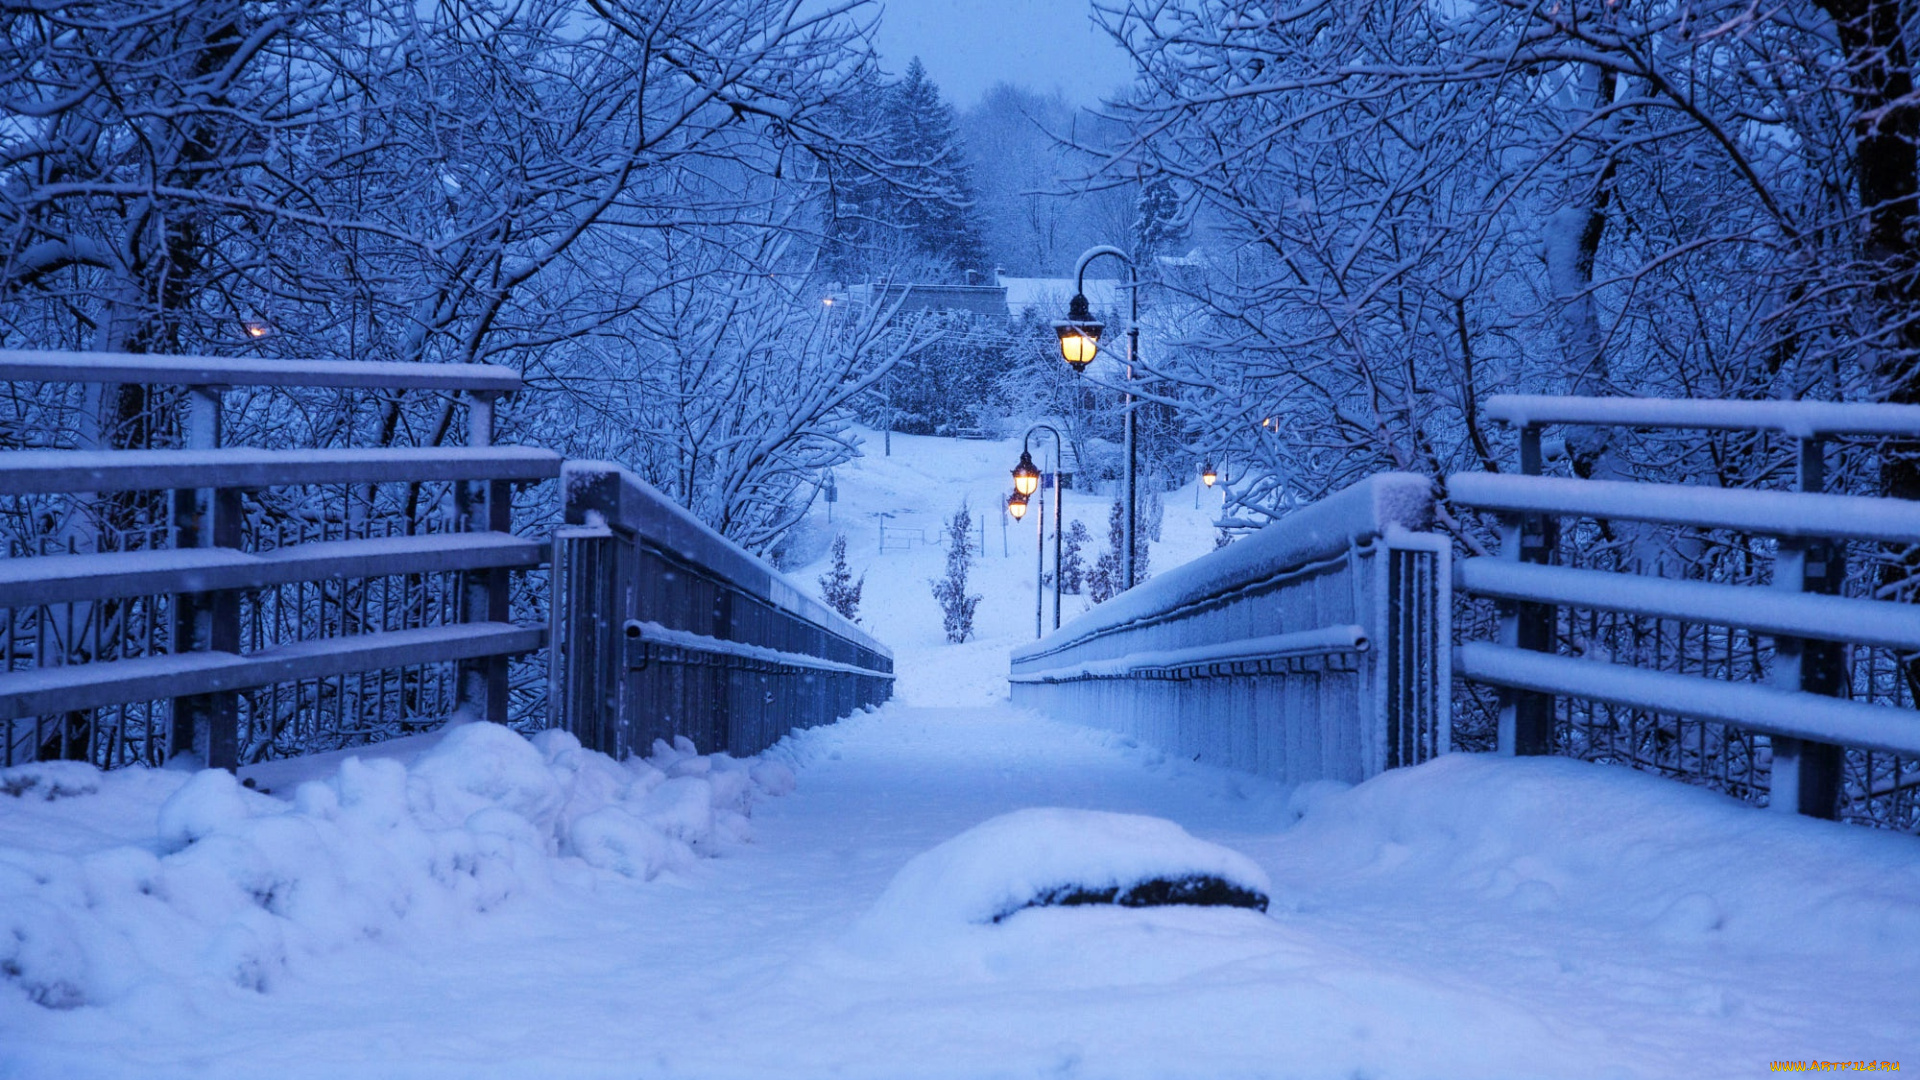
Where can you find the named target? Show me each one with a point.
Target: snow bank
(1039, 856)
(113, 884)
(1648, 862)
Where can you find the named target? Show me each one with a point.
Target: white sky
(969, 45)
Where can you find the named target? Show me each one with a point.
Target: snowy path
(1470, 918)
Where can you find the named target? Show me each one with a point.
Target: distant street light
(1207, 475)
(1017, 506)
(1026, 481)
(1079, 343)
(1026, 476)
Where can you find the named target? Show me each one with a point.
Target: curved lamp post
(1026, 481)
(1080, 342)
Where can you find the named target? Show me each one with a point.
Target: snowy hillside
(913, 492)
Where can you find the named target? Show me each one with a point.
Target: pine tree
(837, 586)
(922, 132)
(956, 606)
(1109, 575)
(1073, 564)
(921, 208)
(1156, 222)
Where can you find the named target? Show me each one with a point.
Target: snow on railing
(1315, 648)
(663, 627)
(123, 656)
(1809, 728)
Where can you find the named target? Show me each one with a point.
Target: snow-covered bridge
(464, 901)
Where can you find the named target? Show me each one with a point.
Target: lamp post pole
(1039, 564)
(1059, 463)
(1131, 436)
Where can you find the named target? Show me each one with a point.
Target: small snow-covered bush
(1108, 578)
(1048, 855)
(956, 604)
(1073, 562)
(837, 586)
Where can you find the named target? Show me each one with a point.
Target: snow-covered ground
(477, 906)
(915, 490)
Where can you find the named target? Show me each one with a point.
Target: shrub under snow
(233, 885)
(1039, 856)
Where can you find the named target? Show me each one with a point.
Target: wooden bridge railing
(117, 656)
(1317, 648)
(1706, 642)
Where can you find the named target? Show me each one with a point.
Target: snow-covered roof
(984, 300)
(1050, 296)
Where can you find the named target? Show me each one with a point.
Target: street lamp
(1207, 475)
(1026, 481)
(1079, 333)
(1026, 477)
(1080, 342)
(1017, 506)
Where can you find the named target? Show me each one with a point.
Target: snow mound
(1045, 856)
(1663, 865)
(230, 886)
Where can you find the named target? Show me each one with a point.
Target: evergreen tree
(837, 586)
(956, 606)
(1073, 564)
(911, 212)
(1156, 221)
(923, 135)
(1109, 575)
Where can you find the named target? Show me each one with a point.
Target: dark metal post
(1132, 433)
(1806, 775)
(1131, 437)
(1039, 565)
(1526, 716)
(207, 724)
(486, 506)
(1059, 463)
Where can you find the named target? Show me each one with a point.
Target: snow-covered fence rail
(662, 627)
(1802, 713)
(1317, 648)
(229, 639)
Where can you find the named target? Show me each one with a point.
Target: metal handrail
(22, 365)
(1800, 419)
(205, 573)
(1808, 623)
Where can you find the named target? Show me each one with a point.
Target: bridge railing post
(206, 725)
(1805, 778)
(480, 684)
(1526, 716)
